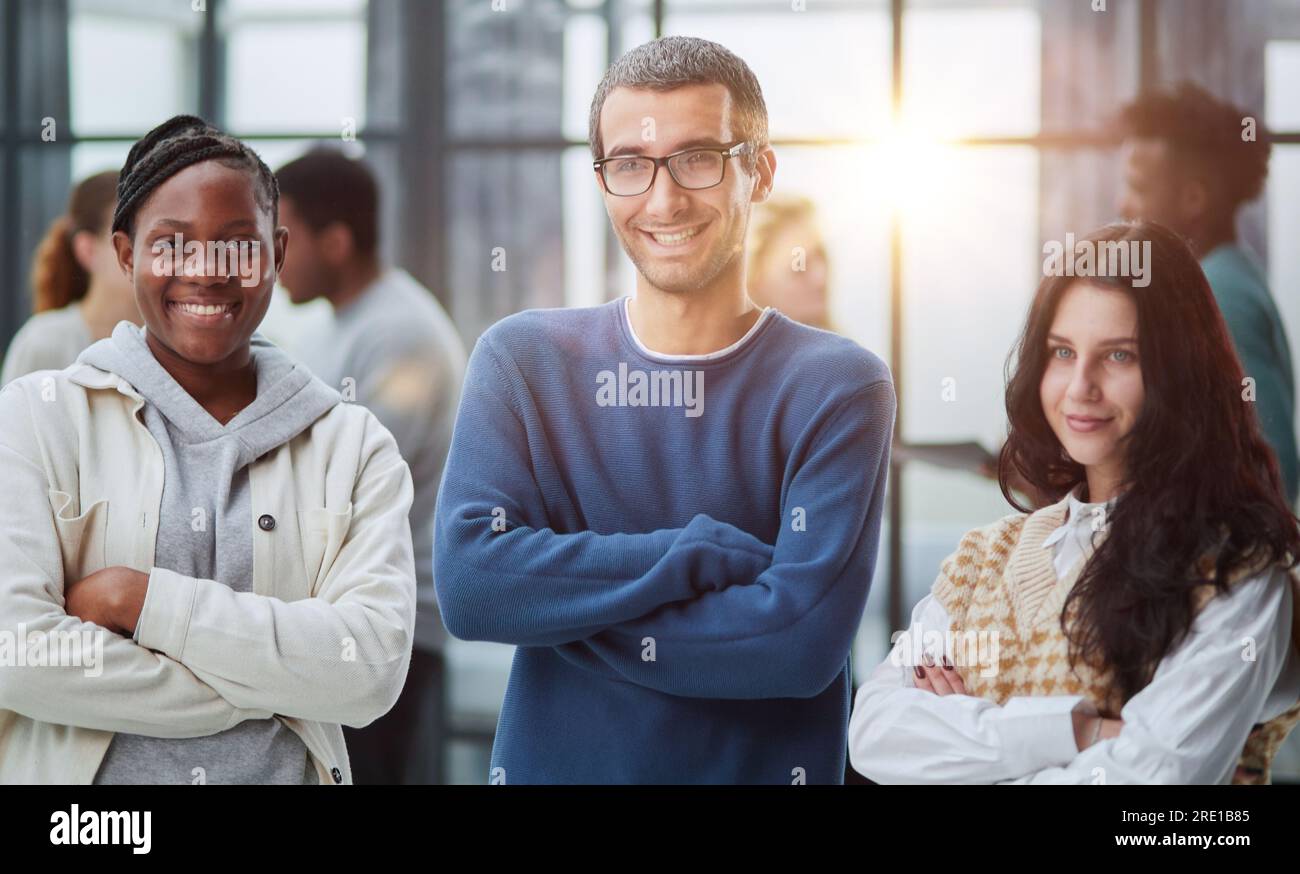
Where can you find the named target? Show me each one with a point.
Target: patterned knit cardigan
(1002, 581)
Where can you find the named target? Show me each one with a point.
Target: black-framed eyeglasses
(693, 169)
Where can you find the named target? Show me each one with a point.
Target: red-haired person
(78, 292)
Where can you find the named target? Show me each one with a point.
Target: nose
(1083, 386)
(217, 266)
(666, 198)
(206, 280)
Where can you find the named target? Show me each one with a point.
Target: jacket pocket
(81, 537)
(323, 533)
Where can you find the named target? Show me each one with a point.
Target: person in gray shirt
(391, 347)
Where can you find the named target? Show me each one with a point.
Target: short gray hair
(676, 61)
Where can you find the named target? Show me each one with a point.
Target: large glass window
(934, 181)
(1282, 88)
(1282, 113)
(131, 64)
(838, 88)
(294, 66)
(971, 68)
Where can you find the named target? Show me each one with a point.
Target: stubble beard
(684, 278)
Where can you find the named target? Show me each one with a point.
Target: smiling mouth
(1086, 423)
(203, 312)
(675, 238)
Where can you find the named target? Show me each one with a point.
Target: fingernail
(947, 665)
(919, 673)
(929, 662)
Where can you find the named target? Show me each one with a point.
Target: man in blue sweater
(670, 503)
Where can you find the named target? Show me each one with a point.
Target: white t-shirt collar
(641, 347)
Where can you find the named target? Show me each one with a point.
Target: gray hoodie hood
(205, 530)
(289, 398)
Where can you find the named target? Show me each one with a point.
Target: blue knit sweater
(680, 547)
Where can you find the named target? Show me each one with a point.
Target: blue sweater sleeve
(789, 633)
(502, 574)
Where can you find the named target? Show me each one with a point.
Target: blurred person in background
(788, 267)
(78, 292)
(390, 347)
(1191, 163)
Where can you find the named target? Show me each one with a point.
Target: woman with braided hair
(1140, 625)
(222, 541)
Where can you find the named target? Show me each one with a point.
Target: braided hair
(180, 142)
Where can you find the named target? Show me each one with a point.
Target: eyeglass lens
(695, 169)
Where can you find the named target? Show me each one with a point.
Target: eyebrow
(184, 225)
(697, 143)
(1113, 341)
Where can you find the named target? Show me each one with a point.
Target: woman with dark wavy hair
(1139, 627)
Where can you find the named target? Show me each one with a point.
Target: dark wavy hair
(1200, 480)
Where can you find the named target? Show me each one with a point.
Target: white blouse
(1187, 726)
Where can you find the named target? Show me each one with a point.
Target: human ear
(280, 244)
(83, 249)
(765, 171)
(335, 244)
(125, 250)
(1193, 199)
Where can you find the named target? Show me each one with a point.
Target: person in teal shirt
(1242, 292)
(1191, 162)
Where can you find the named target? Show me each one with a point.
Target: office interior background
(942, 142)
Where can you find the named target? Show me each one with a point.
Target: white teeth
(669, 239)
(199, 309)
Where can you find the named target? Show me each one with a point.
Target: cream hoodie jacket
(323, 640)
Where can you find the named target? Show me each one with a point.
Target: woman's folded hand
(1089, 726)
(111, 598)
(940, 680)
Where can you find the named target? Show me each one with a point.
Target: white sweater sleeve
(129, 688)
(339, 657)
(1189, 724)
(901, 734)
